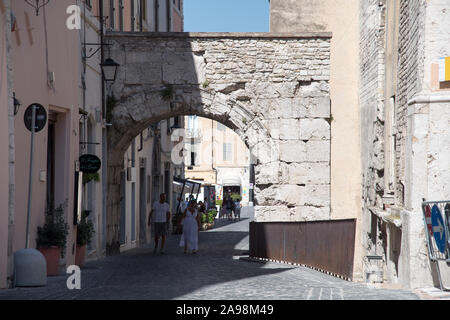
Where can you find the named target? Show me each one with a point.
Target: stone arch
(272, 90)
(142, 107)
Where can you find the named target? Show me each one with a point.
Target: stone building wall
(410, 78)
(372, 101)
(393, 223)
(341, 18)
(272, 90)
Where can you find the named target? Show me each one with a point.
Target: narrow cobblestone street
(216, 272)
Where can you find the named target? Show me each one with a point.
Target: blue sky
(226, 15)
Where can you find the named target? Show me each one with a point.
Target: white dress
(190, 231)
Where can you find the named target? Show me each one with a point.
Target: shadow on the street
(139, 274)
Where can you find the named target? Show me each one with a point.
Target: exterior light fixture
(17, 104)
(109, 70)
(38, 4)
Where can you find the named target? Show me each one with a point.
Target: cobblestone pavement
(215, 272)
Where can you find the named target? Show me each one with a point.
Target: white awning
(231, 181)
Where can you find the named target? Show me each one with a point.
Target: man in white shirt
(161, 217)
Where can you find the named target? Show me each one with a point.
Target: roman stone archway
(271, 89)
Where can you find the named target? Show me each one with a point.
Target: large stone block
(288, 195)
(282, 108)
(317, 195)
(266, 151)
(321, 108)
(267, 173)
(310, 213)
(318, 151)
(272, 213)
(314, 129)
(306, 173)
(284, 129)
(293, 151)
(180, 68)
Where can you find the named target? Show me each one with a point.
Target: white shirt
(160, 212)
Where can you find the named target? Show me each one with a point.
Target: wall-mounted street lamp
(17, 104)
(109, 70)
(38, 4)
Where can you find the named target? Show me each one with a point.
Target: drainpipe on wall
(212, 150)
(104, 136)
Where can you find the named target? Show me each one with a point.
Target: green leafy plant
(88, 177)
(85, 229)
(236, 197)
(205, 84)
(211, 215)
(55, 230)
(111, 103)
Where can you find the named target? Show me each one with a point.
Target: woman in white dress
(191, 225)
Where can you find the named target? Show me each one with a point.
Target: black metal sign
(40, 118)
(90, 163)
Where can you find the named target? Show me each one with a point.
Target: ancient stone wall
(372, 101)
(271, 89)
(393, 227)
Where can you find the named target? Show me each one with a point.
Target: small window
(144, 9)
(111, 14)
(121, 7)
(227, 151)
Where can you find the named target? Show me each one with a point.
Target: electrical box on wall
(51, 77)
(131, 174)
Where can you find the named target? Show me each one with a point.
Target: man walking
(162, 217)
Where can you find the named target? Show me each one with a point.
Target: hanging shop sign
(90, 163)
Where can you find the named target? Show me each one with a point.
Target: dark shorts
(160, 229)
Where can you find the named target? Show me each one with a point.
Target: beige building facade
(341, 18)
(216, 155)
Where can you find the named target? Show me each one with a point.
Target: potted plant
(85, 231)
(211, 217)
(204, 222)
(51, 238)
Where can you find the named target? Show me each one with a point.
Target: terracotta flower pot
(80, 255)
(52, 256)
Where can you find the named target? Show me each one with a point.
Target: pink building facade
(41, 62)
(46, 63)
(6, 210)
